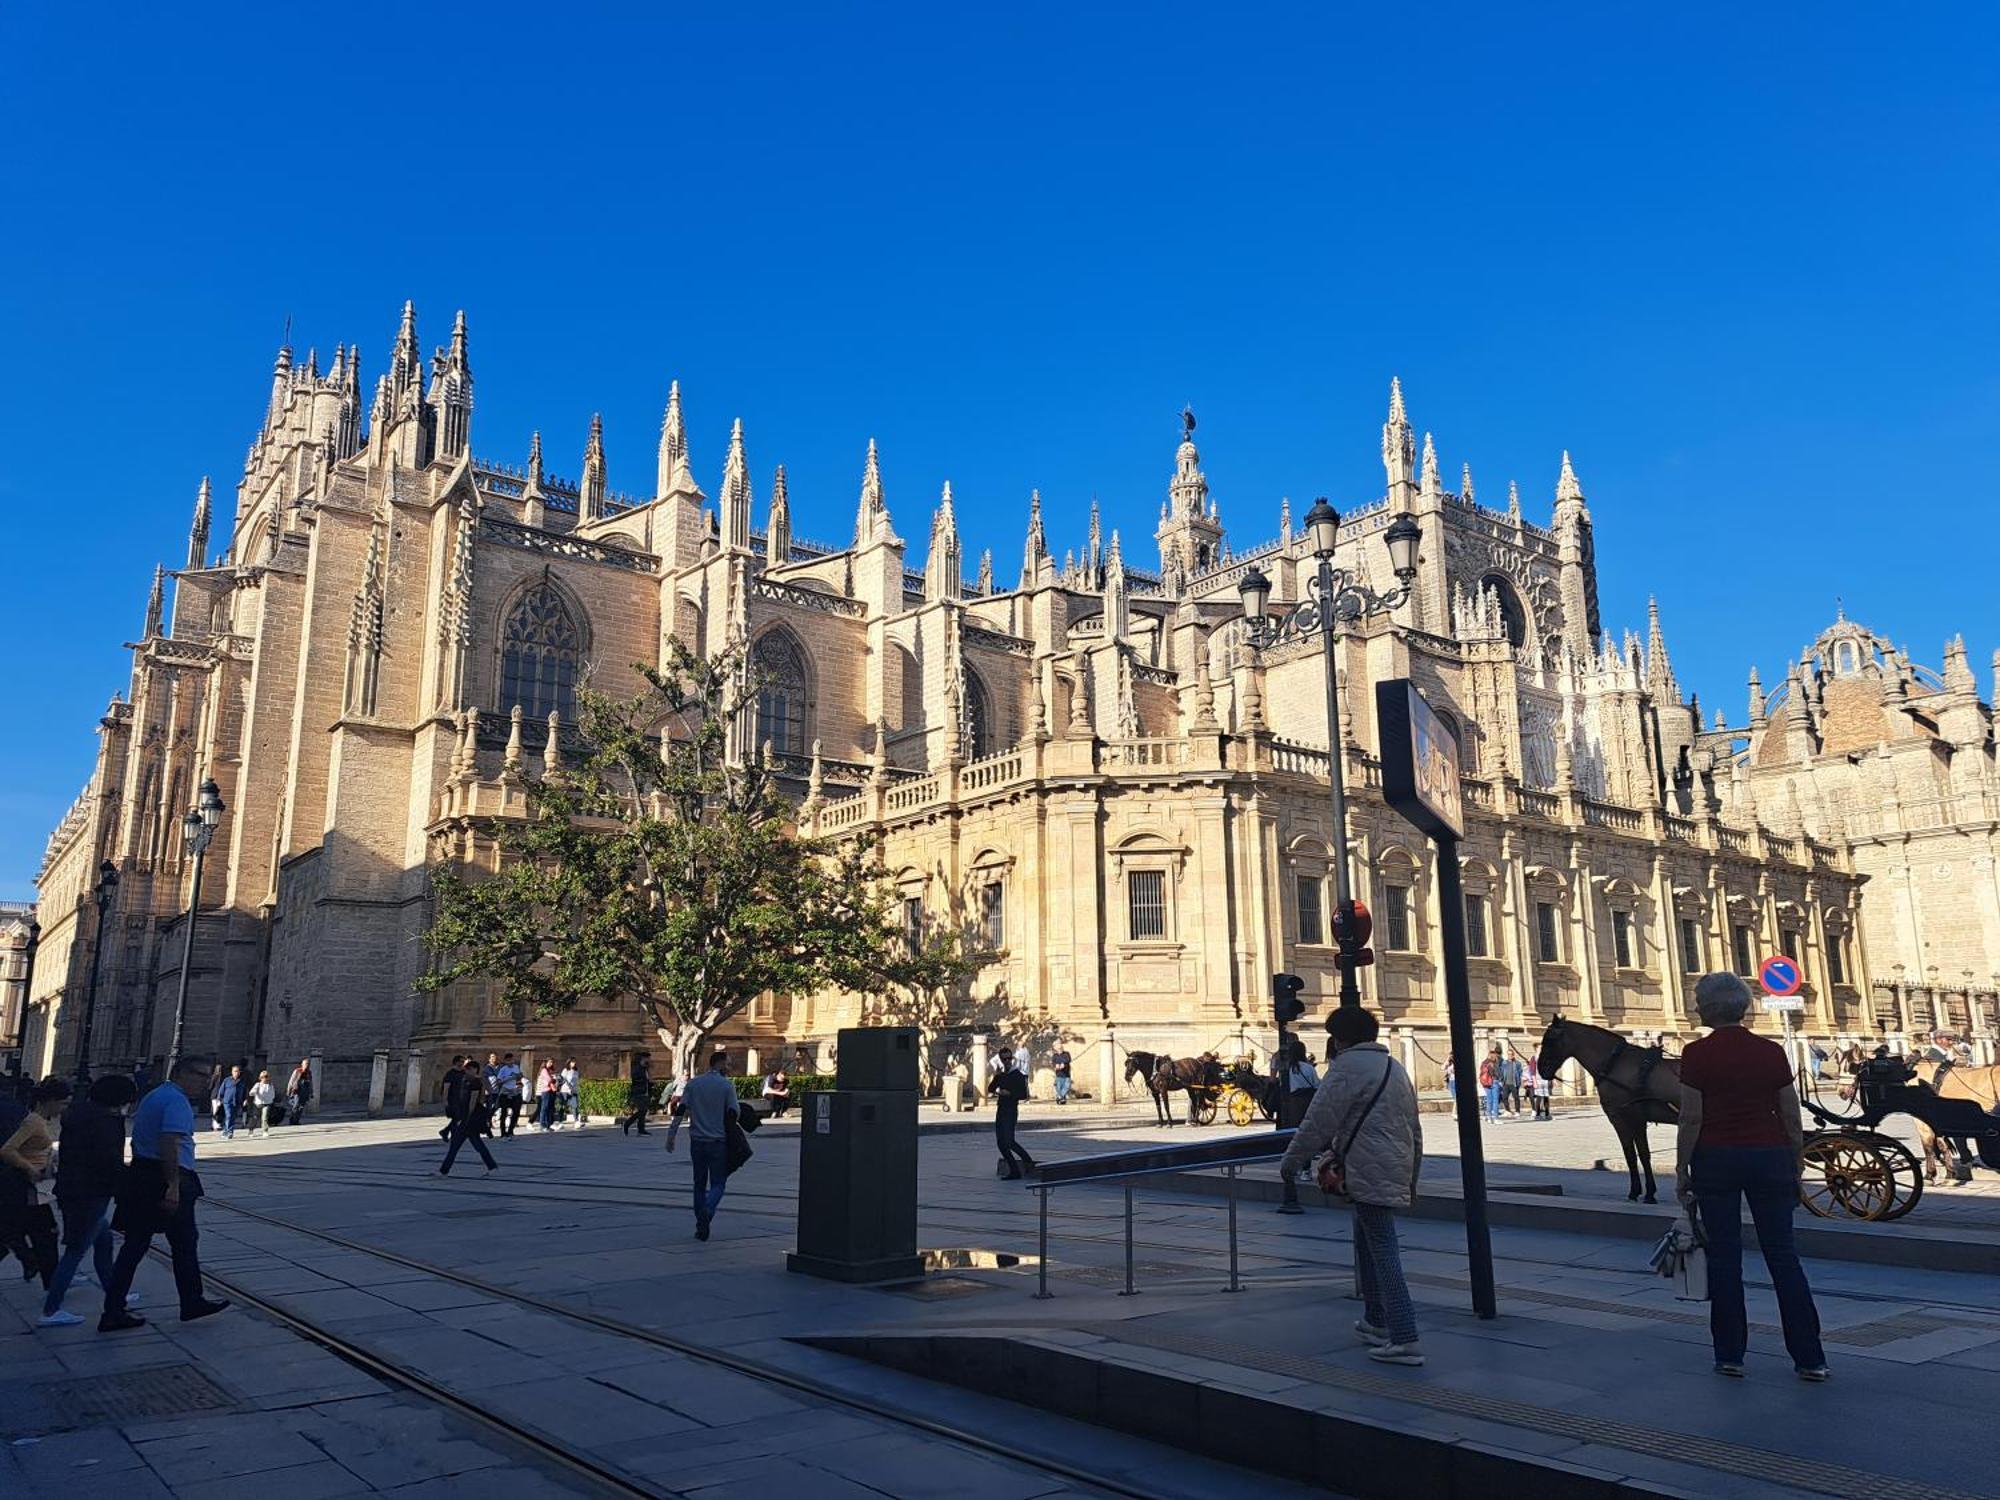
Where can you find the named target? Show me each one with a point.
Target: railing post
(1130, 1290)
(1042, 1293)
(1235, 1285)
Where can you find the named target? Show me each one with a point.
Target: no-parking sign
(1781, 978)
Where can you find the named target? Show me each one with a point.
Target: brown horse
(1954, 1081)
(1163, 1074)
(1636, 1086)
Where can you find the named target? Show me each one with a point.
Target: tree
(657, 867)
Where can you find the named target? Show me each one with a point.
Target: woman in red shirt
(1740, 1137)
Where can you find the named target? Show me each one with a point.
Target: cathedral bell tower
(1190, 534)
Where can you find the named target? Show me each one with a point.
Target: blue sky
(1741, 263)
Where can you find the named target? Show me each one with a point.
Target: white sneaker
(1397, 1354)
(1370, 1334)
(58, 1319)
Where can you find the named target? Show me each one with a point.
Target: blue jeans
(710, 1160)
(1062, 1088)
(1492, 1093)
(86, 1229)
(228, 1119)
(1768, 1176)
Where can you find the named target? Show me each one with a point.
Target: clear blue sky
(1743, 267)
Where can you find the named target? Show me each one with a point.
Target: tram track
(611, 1480)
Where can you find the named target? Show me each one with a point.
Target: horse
(1636, 1087)
(1953, 1081)
(1162, 1075)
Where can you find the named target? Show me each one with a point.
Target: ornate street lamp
(1339, 598)
(107, 892)
(197, 830)
(15, 1039)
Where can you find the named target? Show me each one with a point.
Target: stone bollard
(978, 1065)
(318, 1060)
(378, 1081)
(413, 1083)
(1107, 1067)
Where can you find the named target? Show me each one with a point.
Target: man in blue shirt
(156, 1195)
(710, 1104)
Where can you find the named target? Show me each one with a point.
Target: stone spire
(1095, 559)
(510, 766)
(1465, 490)
(1187, 493)
(1036, 551)
(735, 499)
(156, 602)
(365, 628)
(552, 748)
(1428, 484)
(198, 532)
(942, 568)
(873, 510)
(675, 474)
(281, 386)
(1756, 699)
(451, 396)
(406, 367)
(347, 378)
(778, 535)
(1204, 692)
(534, 503)
(1115, 616)
(1659, 667)
(1285, 520)
(1513, 502)
(590, 494)
(1957, 668)
(984, 585)
(1569, 493)
(1399, 453)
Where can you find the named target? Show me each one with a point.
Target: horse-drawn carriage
(1238, 1091)
(1853, 1170)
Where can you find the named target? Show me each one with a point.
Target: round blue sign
(1780, 975)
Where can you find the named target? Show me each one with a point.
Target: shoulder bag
(1331, 1169)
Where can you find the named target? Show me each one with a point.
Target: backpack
(1486, 1073)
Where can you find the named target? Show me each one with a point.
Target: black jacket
(93, 1151)
(463, 1090)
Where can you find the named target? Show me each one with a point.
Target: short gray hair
(1722, 999)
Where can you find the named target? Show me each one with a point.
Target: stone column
(378, 1081)
(317, 1057)
(1108, 1075)
(978, 1061)
(752, 1063)
(413, 1082)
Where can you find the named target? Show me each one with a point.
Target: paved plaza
(1592, 1366)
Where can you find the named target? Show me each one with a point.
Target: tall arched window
(779, 667)
(541, 649)
(978, 718)
(1512, 618)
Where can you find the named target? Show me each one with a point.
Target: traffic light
(1285, 997)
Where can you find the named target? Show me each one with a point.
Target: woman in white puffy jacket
(1365, 1110)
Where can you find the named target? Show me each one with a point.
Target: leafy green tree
(657, 867)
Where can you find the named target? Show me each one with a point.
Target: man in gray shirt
(709, 1102)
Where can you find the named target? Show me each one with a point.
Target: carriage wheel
(1867, 1177)
(1242, 1108)
(1201, 1108)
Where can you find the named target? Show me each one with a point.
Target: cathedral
(1087, 764)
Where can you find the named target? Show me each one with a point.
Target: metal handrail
(1151, 1161)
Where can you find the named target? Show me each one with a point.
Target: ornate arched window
(978, 718)
(1513, 619)
(779, 667)
(541, 650)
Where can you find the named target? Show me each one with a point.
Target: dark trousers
(1766, 1175)
(461, 1132)
(27, 1227)
(510, 1114)
(450, 1124)
(141, 1224)
(710, 1160)
(86, 1231)
(545, 1112)
(1017, 1159)
(638, 1115)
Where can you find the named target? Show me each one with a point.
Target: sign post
(1420, 769)
(1781, 978)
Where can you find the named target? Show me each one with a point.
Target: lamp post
(1339, 598)
(18, 1035)
(198, 830)
(107, 892)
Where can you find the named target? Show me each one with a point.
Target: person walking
(508, 1082)
(489, 1080)
(263, 1096)
(640, 1097)
(27, 1224)
(470, 1112)
(1489, 1084)
(231, 1097)
(1740, 1137)
(1365, 1112)
(87, 1170)
(1510, 1081)
(156, 1195)
(299, 1092)
(451, 1086)
(545, 1097)
(1010, 1087)
(708, 1104)
(1059, 1064)
(572, 1094)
